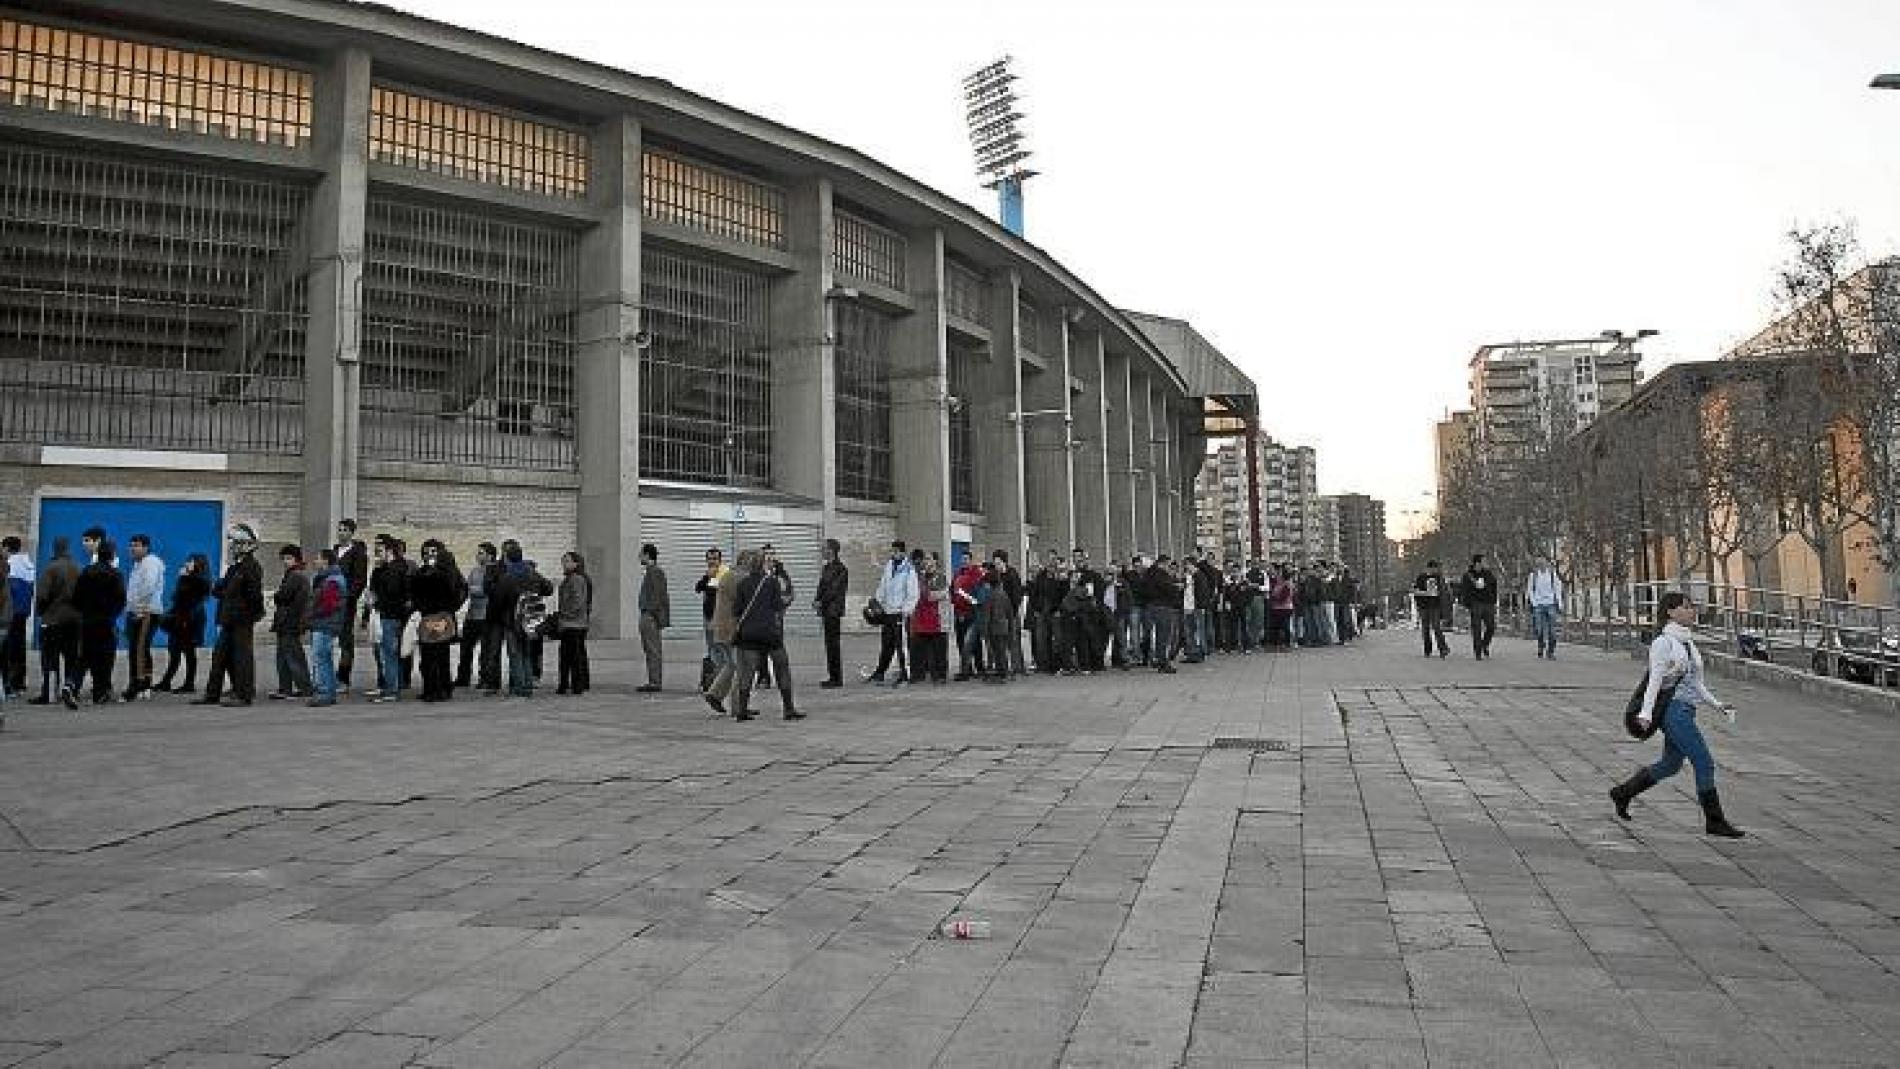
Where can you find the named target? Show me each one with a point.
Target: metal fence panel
(706, 375)
(468, 338)
(863, 403)
(149, 305)
(864, 251)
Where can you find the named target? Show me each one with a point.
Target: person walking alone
(289, 617)
(574, 608)
(1544, 593)
(656, 615)
(1481, 601)
(834, 580)
(1675, 663)
(144, 611)
(1428, 597)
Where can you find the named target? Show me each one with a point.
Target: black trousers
(437, 684)
(834, 656)
(1431, 622)
(346, 642)
(13, 652)
(893, 645)
(571, 661)
(59, 656)
(99, 649)
(1484, 624)
(930, 657)
(234, 657)
(475, 640)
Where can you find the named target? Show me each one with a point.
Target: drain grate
(1236, 742)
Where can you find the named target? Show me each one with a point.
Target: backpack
(329, 601)
(531, 611)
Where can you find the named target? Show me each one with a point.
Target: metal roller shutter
(683, 544)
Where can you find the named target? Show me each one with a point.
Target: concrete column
(1122, 456)
(999, 437)
(1147, 456)
(920, 418)
(607, 381)
(1086, 365)
(1163, 481)
(1046, 432)
(804, 423)
(333, 344)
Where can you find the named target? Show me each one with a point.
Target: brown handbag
(436, 628)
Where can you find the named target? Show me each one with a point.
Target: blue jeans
(1544, 626)
(1682, 740)
(389, 655)
(1134, 632)
(323, 667)
(520, 667)
(1197, 628)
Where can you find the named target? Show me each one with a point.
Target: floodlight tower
(990, 111)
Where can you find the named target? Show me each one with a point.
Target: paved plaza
(1352, 856)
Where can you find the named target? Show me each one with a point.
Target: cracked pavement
(1353, 856)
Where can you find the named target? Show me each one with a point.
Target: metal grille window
(710, 199)
(863, 403)
(866, 251)
(476, 144)
(144, 305)
(1029, 328)
(48, 68)
(965, 493)
(966, 294)
(468, 338)
(706, 376)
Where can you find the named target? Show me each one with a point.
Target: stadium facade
(287, 261)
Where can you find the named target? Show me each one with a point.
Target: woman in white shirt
(1674, 660)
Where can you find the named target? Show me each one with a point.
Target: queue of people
(428, 625)
(412, 613)
(1080, 617)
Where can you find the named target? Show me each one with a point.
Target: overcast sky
(1346, 196)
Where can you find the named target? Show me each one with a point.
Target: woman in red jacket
(929, 644)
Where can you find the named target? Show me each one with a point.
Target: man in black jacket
(1049, 639)
(389, 596)
(1428, 600)
(289, 620)
(1010, 584)
(352, 558)
(1200, 630)
(834, 580)
(1162, 590)
(60, 668)
(240, 597)
(1480, 592)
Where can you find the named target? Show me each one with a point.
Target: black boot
(785, 702)
(1630, 788)
(1714, 822)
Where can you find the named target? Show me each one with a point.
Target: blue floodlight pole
(1009, 203)
(991, 112)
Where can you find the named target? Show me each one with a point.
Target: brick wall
(542, 519)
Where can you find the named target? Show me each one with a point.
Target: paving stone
(1429, 871)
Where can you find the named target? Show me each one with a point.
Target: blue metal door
(177, 530)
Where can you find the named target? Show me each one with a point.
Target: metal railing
(864, 251)
(1824, 636)
(711, 199)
